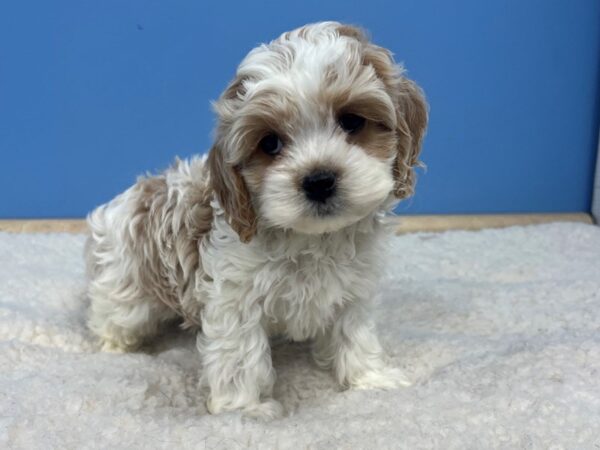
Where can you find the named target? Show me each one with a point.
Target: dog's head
(318, 129)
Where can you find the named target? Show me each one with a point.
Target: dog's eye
(351, 123)
(271, 144)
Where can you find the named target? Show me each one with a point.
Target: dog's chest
(301, 282)
(303, 289)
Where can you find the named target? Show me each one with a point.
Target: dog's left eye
(351, 123)
(271, 144)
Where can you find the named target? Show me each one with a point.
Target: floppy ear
(409, 103)
(411, 111)
(232, 193)
(225, 177)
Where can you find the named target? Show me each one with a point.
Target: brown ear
(411, 116)
(232, 193)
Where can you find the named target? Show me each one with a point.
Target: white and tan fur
(230, 245)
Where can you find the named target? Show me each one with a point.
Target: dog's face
(318, 130)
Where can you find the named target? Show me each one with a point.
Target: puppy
(278, 231)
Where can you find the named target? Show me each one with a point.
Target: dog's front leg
(236, 359)
(351, 348)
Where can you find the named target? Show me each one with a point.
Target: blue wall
(93, 93)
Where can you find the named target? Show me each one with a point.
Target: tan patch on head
(374, 106)
(266, 112)
(352, 32)
(376, 140)
(377, 137)
(239, 174)
(409, 103)
(255, 168)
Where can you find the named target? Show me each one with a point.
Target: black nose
(319, 185)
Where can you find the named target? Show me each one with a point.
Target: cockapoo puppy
(278, 230)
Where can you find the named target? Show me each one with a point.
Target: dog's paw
(119, 344)
(386, 378)
(267, 410)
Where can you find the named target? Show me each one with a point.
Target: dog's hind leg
(123, 321)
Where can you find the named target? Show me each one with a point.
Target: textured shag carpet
(500, 329)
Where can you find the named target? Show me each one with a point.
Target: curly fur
(231, 245)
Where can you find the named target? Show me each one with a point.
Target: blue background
(93, 93)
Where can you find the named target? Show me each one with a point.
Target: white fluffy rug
(498, 328)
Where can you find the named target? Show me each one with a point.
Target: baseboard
(406, 224)
(410, 224)
(43, 225)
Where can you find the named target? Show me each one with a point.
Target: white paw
(267, 410)
(386, 378)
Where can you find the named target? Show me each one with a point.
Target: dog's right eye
(271, 144)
